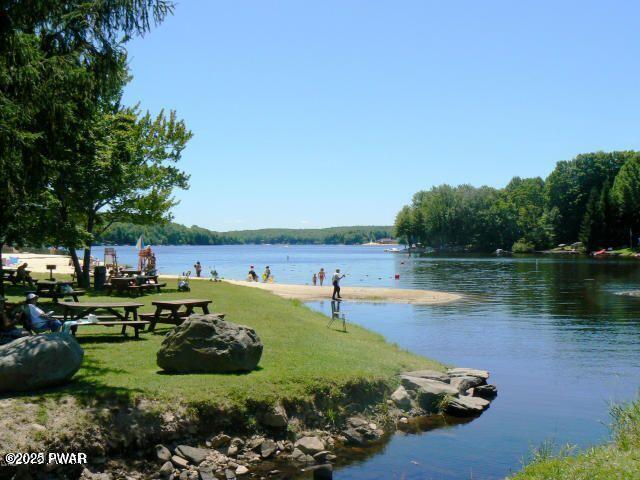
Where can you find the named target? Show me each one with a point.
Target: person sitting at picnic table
(8, 329)
(22, 275)
(38, 319)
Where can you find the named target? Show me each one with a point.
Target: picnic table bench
(73, 325)
(9, 274)
(54, 289)
(175, 316)
(76, 311)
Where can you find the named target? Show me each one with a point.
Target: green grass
(301, 355)
(618, 459)
(626, 252)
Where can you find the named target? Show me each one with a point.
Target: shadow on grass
(108, 338)
(86, 386)
(224, 374)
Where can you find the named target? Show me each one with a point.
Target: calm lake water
(558, 339)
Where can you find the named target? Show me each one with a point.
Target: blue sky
(314, 114)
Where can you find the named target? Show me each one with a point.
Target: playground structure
(110, 258)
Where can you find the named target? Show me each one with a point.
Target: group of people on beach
(335, 281)
(266, 275)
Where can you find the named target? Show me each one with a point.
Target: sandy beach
(362, 294)
(37, 262)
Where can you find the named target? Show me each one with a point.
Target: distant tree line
(594, 199)
(176, 234)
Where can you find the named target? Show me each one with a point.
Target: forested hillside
(175, 234)
(594, 198)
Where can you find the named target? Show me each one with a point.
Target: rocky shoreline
(285, 446)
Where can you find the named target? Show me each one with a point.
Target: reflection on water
(559, 342)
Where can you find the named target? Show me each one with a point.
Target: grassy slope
(619, 459)
(300, 356)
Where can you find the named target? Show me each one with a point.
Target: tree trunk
(86, 267)
(86, 261)
(76, 265)
(1, 279)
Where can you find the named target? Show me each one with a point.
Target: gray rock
(276, 418)
(401, 398)
(232, 451)
(465, 383)
(485, 391)
(429, 374)
(206, 343)
(427, 386)
(229, 474)
(163, 453)
(166, 469)
(179, 462)
(206, 472)
(242, 470)
(268, 448)
(298, 456)
(220, 440)
(466, 406)
(310, 445)
(468, 372)
(39, 361)
(321, 457)
(193, 454)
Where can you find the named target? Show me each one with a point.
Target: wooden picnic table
(175, 315)
(53, 289)
(74, 311)
(9, 274)
(137, 284)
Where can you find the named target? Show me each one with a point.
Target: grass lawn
(619, 459)
(301, 355)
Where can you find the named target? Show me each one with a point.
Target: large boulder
(39, 361)
(206, 343)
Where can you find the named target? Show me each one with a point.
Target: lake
(558, 339)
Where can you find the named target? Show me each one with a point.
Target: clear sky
(313, 114)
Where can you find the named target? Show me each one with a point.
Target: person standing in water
(321, 276)
(267, 274)
(198, 268)
(253, 275)
(314, 279)
(335, 281)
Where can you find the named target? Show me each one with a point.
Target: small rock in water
(466, 406)
(485, 391)
(464, 383)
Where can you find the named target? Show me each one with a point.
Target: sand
(37, 262)
(307, 293)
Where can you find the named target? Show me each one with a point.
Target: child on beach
(314, 279)
(321, 276)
